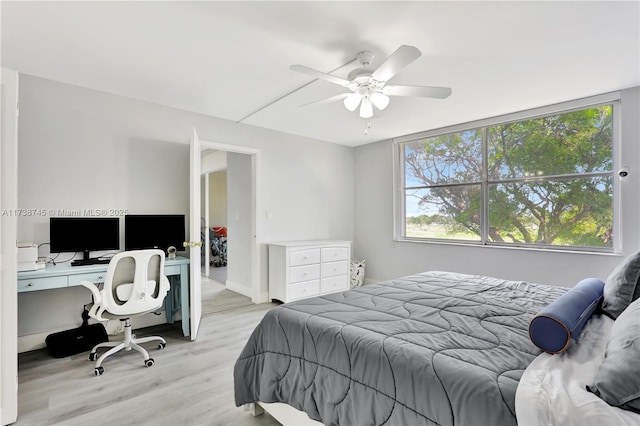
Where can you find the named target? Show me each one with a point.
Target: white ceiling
(229, 59)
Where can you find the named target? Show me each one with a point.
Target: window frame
(399, 214)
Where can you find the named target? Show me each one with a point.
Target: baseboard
(369, 281)
(262, 298)
(32, 342)
(238, 288)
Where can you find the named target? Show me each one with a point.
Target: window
(545, 181)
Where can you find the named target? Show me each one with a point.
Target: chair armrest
(97, 298)
(165, 286)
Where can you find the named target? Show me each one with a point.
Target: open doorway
(217, 225)
(228, 216)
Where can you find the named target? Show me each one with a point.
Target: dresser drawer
(304, 290)
(41, 283)
(94, 277)
(332, 269)
(333, 284)
(304, 257)
(304, 273)
(331, 254)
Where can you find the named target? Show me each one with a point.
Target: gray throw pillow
(622, 287)
(618, 379)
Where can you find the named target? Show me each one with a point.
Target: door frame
(204, 182)
(256, 295)
(8, 235)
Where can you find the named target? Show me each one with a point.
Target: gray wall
(239, 221)
(373, 225)
(80, 148)
(218, 198)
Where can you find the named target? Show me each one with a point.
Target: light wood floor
(216, 298)
(191, 383)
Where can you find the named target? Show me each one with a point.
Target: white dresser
(301, 269)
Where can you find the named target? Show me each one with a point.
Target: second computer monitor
(154, 231)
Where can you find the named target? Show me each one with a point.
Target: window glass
(451, 212)
(546, 181)
(572, 143)
(452, 158)
(572, 212)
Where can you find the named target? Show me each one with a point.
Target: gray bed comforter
(433, 348)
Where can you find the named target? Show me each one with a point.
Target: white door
(195, 289)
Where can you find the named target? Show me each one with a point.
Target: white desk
(65, 275)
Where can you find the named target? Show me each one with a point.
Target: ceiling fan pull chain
(367, 126)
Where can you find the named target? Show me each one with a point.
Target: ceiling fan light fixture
(366, 109)
(380, 100)
(369, 85)
(352, 101)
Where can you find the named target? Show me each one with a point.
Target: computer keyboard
(82, 262)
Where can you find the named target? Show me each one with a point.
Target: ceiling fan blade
(319, 74)
(395, 63)
(327, 100)
(421, 91)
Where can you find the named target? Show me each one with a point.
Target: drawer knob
(305, 274)
(30, 285)
(100, 277)
(305, 258)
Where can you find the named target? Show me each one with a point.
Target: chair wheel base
(162, 345)
(149, 362)
(98, 371)
(93, 356)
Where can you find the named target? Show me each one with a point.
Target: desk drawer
(94, 277)
(172, 270)
(35, 284)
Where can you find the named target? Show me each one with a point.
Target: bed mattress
(432, 348)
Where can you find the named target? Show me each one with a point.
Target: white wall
(213, 162)
(218, 198)
(81, 148)
(386, 259)
(85, 150)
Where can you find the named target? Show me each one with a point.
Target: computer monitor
(84, 234)
(154, 231)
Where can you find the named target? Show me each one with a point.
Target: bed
(436, 348)
(553, 389)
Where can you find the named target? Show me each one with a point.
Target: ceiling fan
(369, 86)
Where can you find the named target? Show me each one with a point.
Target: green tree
(549, 179)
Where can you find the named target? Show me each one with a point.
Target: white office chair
(135, 284)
